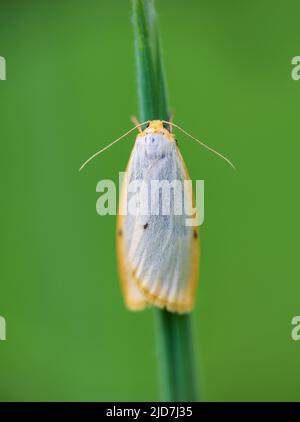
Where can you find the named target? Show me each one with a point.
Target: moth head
(157, 127)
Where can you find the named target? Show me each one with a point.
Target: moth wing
(159, 252)
(134, 298)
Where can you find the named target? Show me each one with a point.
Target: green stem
(176, 360)
(178, 372)
(146, 81)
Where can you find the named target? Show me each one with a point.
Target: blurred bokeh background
(70, 90)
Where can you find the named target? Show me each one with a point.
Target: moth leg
(170, 119)
(136, 123)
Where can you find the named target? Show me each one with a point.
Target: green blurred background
(70, 90)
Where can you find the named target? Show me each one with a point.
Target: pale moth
(158, 254)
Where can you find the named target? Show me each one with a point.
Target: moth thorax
(156, 145)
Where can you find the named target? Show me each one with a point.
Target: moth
(158, 254)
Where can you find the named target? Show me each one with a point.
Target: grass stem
(176, 360)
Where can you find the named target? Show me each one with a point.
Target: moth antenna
(111, 144)
(201, 143)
